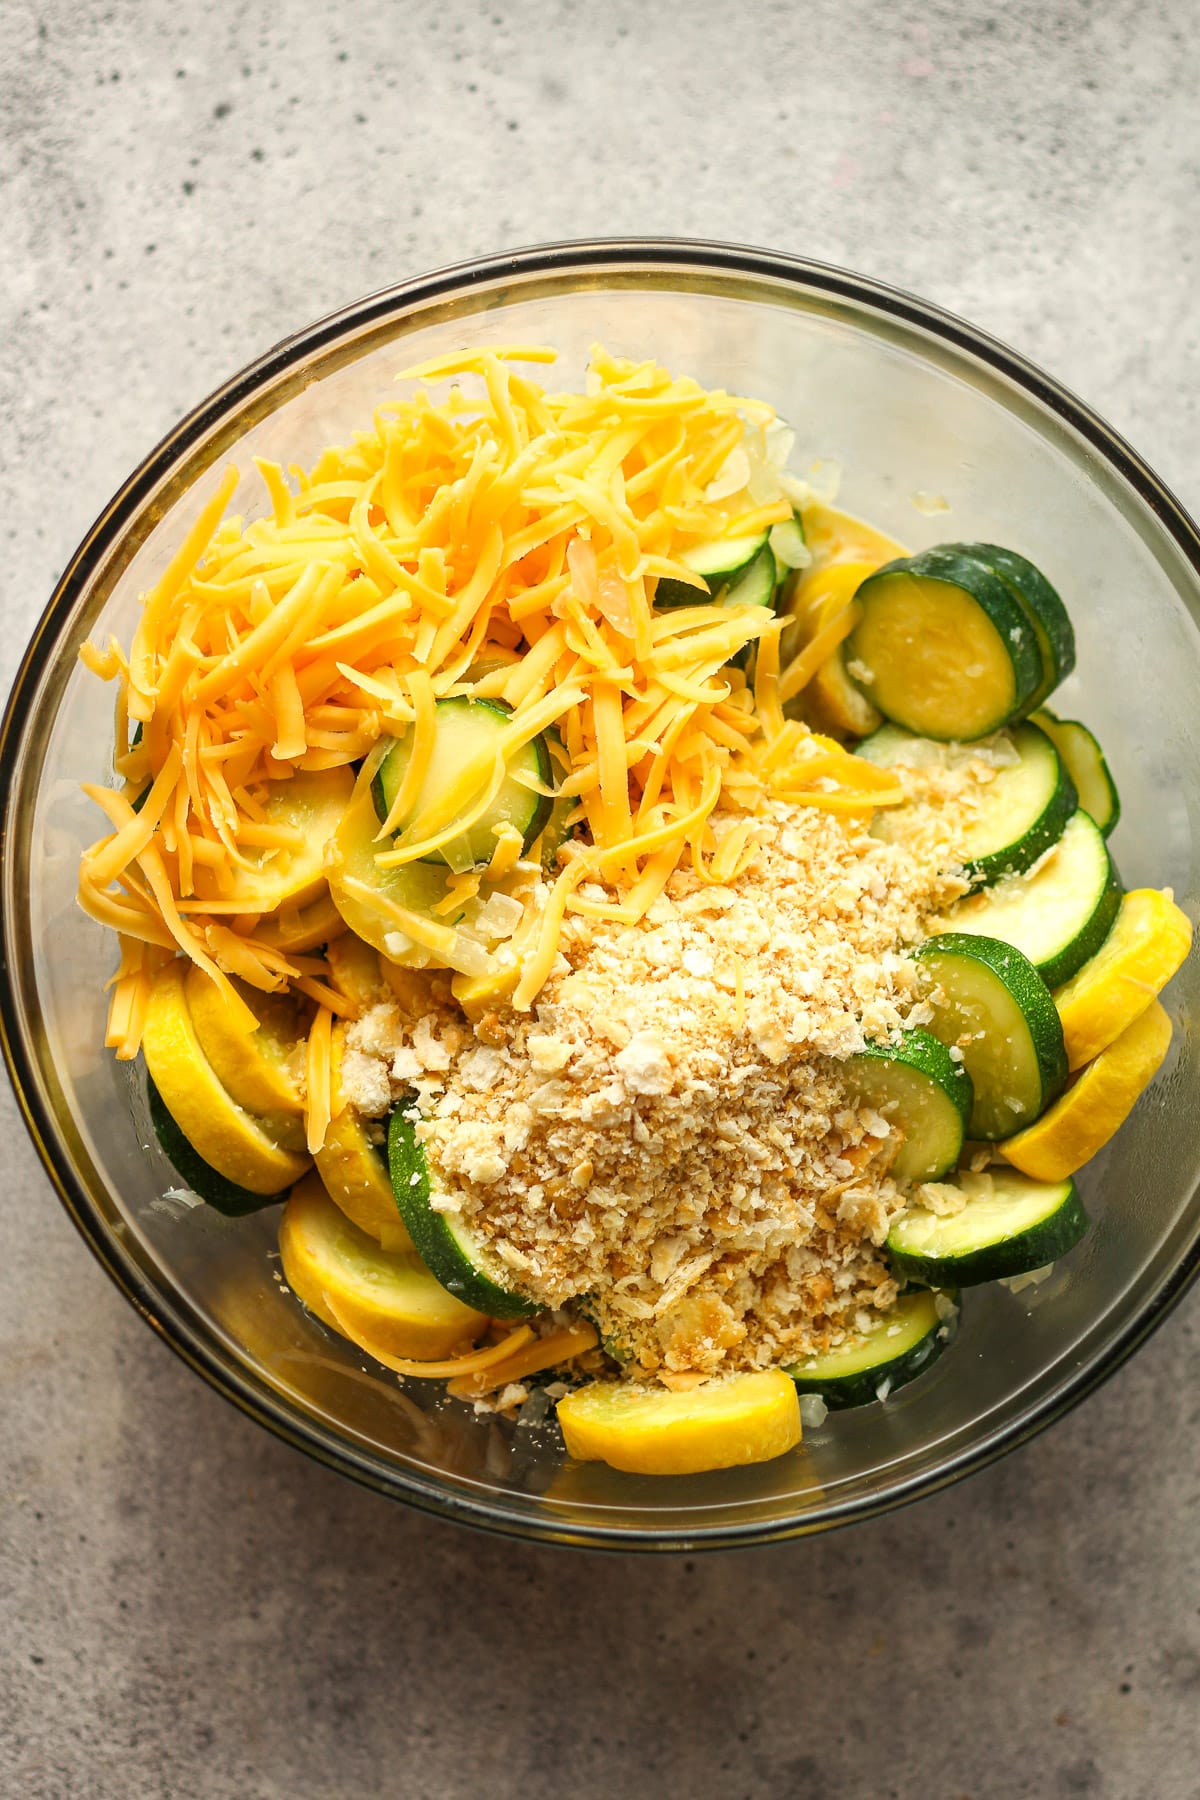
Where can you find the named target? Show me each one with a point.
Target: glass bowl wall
(938, 433)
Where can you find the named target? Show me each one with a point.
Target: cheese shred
(500, 540)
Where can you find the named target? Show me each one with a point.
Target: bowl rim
(259, 1401)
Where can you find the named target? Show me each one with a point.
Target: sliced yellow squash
(311, 805)
(243, 1148)
(356, 972)
(354, 1170)
(1149, 941)
(373, 901)
(294, 929)
(831, 702)
(259, 1069)
(652, 1431)
(354, 1286)
(1097, 1105)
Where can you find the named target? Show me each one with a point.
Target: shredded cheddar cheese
(498, 541)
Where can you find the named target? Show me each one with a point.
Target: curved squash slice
(1147, 944)
(259, 1069)
(653, 1431)
(1098, 1104)
(311, 805)
(352, 1285)
(233, 1141)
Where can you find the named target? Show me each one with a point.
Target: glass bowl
(940, 433)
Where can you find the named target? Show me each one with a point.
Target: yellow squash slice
(652, 1431)
(294, 929)
(1147, 944)
(1097, 1105)
(311, 805)
(831, 702)
(259, 1069)
(385, 1297)
(354, 1169)
(240, 1146)
(356, 972)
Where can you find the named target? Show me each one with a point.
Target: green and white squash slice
(990, 1002)
(1060, 913)
(1009, 1225)
(1015, 817)
(720, 563)
(465, 728)
(451, 1252)
(944, 646)
(1086, 766)
(923, 1093)
(1043, 606)
(900, 1345)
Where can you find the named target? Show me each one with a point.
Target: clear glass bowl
(913, 405)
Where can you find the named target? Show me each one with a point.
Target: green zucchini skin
(447, 1253)
(1014, 981)
(223, 1195)
(1085, 761)
(999, 1253)
(1038, 833)
(719, 564)
(924, 1335)
(1043, 605)
(904, 696)
(1059, 915)
(920, 1070)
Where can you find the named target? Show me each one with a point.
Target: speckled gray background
(190, 1611)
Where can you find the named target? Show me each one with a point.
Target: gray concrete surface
(190, 1610)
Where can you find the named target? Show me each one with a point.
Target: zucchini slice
(223, 1195)
(1017, 816)
(990, 1001)
(756, 585)
(1086, 766)
(1043, 605)
(944, 646)
(465, 727)
(1008, 1226)
(444, 1242)
(1061, 913)
(720, 562)
(899, 1346)
(923, 1093)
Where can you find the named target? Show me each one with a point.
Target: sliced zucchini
(719, 562)
(1016, 816)
(1086, 766)
(944, 646)
(446, 1244)
(789, 546)
(923, 1093)
(465, 728)
(990, 1001)
(1061, 913)
(219, 1192)
(1044, 607)
(1008, 1226)
(899, 1346)
(756, 585)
